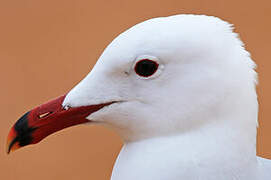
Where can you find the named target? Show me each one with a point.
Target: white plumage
(195, 118)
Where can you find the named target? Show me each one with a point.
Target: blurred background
(48, 46)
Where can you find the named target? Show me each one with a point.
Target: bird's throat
(192, 155)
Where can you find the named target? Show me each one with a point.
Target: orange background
(48, 46)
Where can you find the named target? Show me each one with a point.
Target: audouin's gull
(179, 90)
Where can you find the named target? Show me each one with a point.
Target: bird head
(164, 76)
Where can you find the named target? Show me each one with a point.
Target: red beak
(46, 119)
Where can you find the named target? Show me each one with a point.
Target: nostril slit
(44, 115)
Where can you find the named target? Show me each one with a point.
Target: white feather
(195, 119)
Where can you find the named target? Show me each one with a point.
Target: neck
(220, 150)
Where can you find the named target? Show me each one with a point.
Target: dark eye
(146, 67)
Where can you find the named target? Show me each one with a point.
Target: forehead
(181, 35)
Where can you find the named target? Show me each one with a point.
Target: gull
(180, 92)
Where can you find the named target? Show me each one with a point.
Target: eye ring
(146, 67)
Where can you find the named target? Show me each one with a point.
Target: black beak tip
(20, 134)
